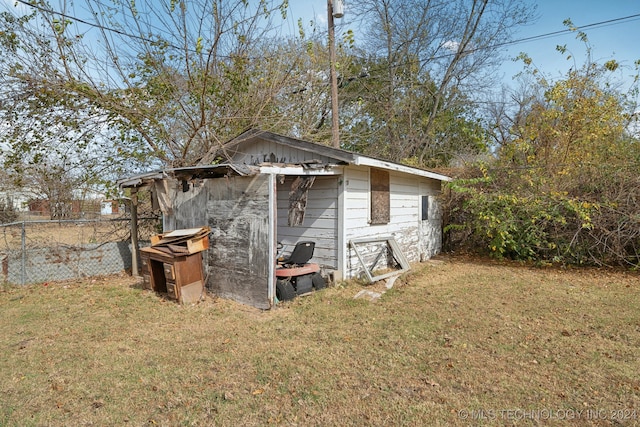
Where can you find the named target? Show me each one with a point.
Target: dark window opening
(425, 208)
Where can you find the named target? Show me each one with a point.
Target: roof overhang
(376, 163)
(342, 156)
(213, 171)
(300, 170)
(189, 173)
(141, 180)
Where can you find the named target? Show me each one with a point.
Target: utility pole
(335, 123)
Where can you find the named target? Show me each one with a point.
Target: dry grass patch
(453, 344)
(80, 232)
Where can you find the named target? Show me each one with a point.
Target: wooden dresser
(179, 276)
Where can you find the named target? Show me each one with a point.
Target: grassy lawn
(462, 342)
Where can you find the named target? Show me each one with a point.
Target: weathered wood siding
(405, 224)
(238, 259)
(320, 219)
(270, 152)
(189, 207)
(237, 210)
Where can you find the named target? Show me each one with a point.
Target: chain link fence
(36, 251)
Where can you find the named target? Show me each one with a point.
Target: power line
(91, 24)
(112, 29)
(503, 44)
(538, 37)
(443, 56)
(567, 31)
(509, 43)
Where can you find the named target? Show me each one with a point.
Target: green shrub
(542, 226)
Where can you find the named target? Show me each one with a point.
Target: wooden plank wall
(238, 259)
(237, 210)
(320, 219)
(431, 229)
(405, 222)
(189, 207)
(270, 152)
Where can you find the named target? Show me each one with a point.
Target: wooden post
(134, 232)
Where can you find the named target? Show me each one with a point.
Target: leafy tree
(169, 80)
(564, 186)
(173, 80)
(7, 210)
(428, 58)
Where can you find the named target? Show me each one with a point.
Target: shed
(275, 189)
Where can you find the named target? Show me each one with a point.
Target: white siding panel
(404, 221)
(327, 203)
(431, 229)
(358, 204)
(320, 223)
(311, 222)
(321, 216)
(405, 189)
(400, 220)
(358, 174)
(434, 187)
(328, 213)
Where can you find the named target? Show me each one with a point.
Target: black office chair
(301, 254)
